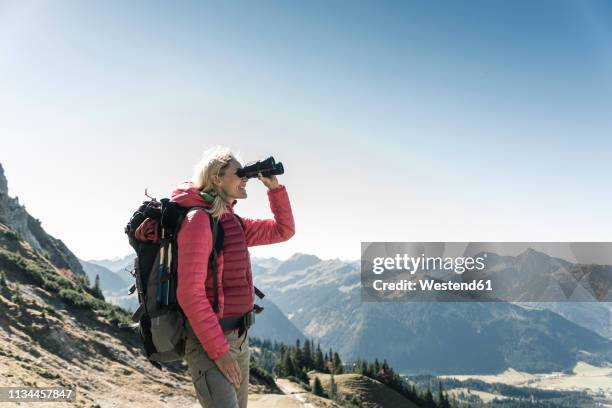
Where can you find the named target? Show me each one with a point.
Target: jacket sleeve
(195, 245)
(281, 228)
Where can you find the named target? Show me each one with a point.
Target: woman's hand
(270, 182)
(230, 369)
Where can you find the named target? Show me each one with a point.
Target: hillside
(53, 332)
(371, 393)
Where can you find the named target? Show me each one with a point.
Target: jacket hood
(187, 195)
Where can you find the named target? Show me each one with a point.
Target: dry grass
(372, 393)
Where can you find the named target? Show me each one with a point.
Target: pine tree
(317, 388)
(442, 398)
(307, 355)
(319, 362)
(440, 394)
(97, 289)
(337, 364)
(298, 356)
(364, 369)
(429, 400)
(288, 367)
(278, 367)
(3, 279)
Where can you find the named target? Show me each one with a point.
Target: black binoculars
(266, 167)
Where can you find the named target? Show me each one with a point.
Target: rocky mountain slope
(272, 324)
(28, 228)
(54, 332)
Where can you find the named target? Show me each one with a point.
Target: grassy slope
(371, 392)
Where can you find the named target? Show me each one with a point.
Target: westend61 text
(430, 284)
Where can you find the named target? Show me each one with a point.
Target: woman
(218, 359)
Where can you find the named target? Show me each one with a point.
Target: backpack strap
(258, 292)
(212, 261)
(240, 221)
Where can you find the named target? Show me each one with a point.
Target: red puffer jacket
(195, 288)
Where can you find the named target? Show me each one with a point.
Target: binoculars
(266, 167)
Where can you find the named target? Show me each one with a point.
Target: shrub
(77, 299)
(73, 293)
(40, 273)
(260, 373)
(317, 388)
(118, 316)
(17, 298)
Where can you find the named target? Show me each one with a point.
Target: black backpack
(161, 321)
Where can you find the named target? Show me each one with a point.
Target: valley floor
(596, 381)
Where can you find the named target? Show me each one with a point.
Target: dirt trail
(293, 397)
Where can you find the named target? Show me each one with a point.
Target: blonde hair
(213, 163)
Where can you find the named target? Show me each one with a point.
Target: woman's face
(233, 186)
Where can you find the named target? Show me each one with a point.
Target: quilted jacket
(235, 283)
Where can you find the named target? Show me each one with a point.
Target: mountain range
(322, 298)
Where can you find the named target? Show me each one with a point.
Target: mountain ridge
(15, 216)
(415, 335)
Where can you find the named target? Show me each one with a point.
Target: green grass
(74, 294)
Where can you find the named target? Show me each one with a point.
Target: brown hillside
(372, 393)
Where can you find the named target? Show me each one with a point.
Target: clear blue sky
(396, 121)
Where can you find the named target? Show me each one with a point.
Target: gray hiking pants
(212, 388)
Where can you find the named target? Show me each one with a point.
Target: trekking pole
(160, 270)
(168, 274)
